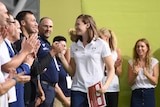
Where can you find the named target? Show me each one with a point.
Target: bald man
(13, 78)
(5, 85)
(3, 22)
(3, 19)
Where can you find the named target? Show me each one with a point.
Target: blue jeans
(143, 98)
(79, 99)
(49, 94)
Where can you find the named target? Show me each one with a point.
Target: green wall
(63, 14)
(130, 20)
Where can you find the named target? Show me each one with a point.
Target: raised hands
(118, 62)
(30, 57)
(28, 45)
(136, 69)
(22, 78)
(56, 48)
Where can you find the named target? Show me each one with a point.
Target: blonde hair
(148, 54)
(73, 35)
(111, 36)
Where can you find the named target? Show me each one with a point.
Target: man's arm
(12, 80)
(61, 96)
(38, 66)
(27, 48)
(40, 97)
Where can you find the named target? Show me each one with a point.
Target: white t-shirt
(89, 63)
(141, 79)
(6, 58)
(3, 53)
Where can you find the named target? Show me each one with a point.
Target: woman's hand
(102, 90)
(136, 69)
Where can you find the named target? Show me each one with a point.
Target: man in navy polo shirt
(49, 78)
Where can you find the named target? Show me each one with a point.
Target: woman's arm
(69, 67)
(67, 55)
(132, 74)
(152, 78)
(118, 63)
(111, 72)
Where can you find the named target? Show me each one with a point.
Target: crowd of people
(37, 73)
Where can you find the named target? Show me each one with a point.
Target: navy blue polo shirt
(51, 74)
(62, 82)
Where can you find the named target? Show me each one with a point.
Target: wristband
(15, 80)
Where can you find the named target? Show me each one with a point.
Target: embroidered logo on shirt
(93, 48)
(44, 47)
(43, 44)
